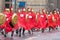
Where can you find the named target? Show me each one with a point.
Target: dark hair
(54, 10)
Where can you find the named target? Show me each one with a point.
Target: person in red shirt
(56, 15)
(22, 20)
(37, 26)
(42, 20)
(34, 19)
(8, 19)
(50, 21)
(19, 24)
(58, 21)
(30, 20)
(8, 14)
(10, 27)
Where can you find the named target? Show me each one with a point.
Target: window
(7, 0)
(11, 0)
(7, 5)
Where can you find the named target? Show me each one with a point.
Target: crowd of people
(29, 20)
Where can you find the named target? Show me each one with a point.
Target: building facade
(35, 4)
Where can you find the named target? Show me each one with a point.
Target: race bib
(48, 15)
(30, 16)
(42, 16)
(21, 15)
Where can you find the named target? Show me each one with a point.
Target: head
(11, 9)
(7, 10)
(50, 12)
(19, 10)
(55, 12)
(58, 12)
(23, 9)
(32, 10)
(43, 10)
(47, 12)
(37, 13)
(29, 9)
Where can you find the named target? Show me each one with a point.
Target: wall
(35, 4)
(1, 5)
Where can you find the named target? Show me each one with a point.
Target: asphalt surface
(53, 35)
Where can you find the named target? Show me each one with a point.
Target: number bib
(42, 16)
(30, 16)
(21, 15)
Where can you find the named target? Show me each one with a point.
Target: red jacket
(22, 19)
(42, 20)
(57, 18)
(50, 20)
(8, 19)
(8, 16)
(30, 20)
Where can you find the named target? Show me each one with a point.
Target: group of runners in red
(30, 20)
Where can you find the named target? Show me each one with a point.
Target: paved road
(53, 35)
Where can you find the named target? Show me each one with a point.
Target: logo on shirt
(30, 16)
(42, 16)
(48, 15)
(21, 15)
